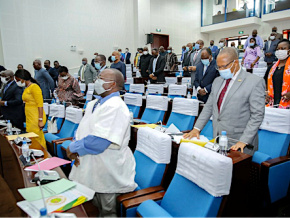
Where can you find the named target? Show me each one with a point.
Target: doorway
(160, 40)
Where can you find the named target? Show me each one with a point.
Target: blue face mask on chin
(98, 66)
(226, 74)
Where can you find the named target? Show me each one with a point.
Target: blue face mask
(113, 58)
(193, 48)
(205, 62)
(84, 62)
(98, 65)
(226, 74)
(187, 49)
(252, 44)
(196, 46)
(169, 51)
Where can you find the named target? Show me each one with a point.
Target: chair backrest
(155, 108)
(134, 102)
(260, 71)
(171, 80)
(129, 74)
(91, 87)
(152, 153)
(207, 131)
(155, 89)
(46, 108)
(183, 113)
(177, 90)
(186, 80)
(82, 87)
(57, 110)
(89, 95)
(274, 130)
(137, 88)
(129, 81)
(194, 191)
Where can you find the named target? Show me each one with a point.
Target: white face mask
(281, 54)
(64, 77)
(20, 84)
(99, 86)
(221, 44)
(3, 80)
(272, 37)
(145, 52)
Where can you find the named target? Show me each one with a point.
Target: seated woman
(251, 56)
(33, 99)
(68, 87)
(278, 77)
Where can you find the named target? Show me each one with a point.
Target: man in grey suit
(196, 59)
(236, 102)
(87, 72)
(188, 55)
(270, 48)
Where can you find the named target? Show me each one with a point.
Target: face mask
(187, 49)
(113, 58)
(84, 62)
(20, 84)
(254, 36)
(98, 66)
(145, 52)
(193, 48)
(211, 44)
(196, 46)
(222, 44)
(281, 54)
(3, 80)
(169, 51)
(64, 77)
(205, 62)
(46, 66)
(99, 86)
(252, 44)
(127, 51)
(226, 74)
(272, 37)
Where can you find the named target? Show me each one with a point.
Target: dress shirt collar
(236, 75)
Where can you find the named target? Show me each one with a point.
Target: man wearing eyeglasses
(236, 103)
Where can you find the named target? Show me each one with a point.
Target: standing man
(171, 62)
(12, 107)
(279, 36)
(188, 55)
(270, 48)
(183, 50)
(56, 65)
(213, 48)
(122, 55)
(206, 73)
(103, 160)
(144, 63)
(100, 63)
(222, 44)
(117, 64)
(127, 56)
(236, 102)
(156, 67)
(196, 59)
(44, 79)
(87, 73)
(93, 60)
(162, 51)
(52, 71)
(259, 40)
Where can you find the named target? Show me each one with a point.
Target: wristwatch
(40, 119)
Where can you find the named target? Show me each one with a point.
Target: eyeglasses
(224, 66)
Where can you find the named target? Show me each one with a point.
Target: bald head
(254, 33)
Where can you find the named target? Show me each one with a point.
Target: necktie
(222, 94)
(83, 77)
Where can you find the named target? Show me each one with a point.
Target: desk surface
(16, 177)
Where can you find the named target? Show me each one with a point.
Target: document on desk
(152, 126)
(48, 164)
(26, 135)
(50, 189)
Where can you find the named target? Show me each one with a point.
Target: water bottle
(9, 128)
(223, 143)
(25, 151)
(148, 83)
(146, 93)
(188, 95)
(131, 117)
(180, 74)
(57, 100)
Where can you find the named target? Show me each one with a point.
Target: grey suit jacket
(270, 49)
(90, 73)
(194, 63)
(242, 112)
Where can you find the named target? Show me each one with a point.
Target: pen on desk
(72, 163)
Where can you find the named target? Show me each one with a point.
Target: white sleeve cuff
(198, 88)
(205, 90)
(197, 128)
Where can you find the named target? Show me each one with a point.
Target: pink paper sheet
(48, 164)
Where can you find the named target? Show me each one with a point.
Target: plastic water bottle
(146, 93)
(188, 95)
(131, 117)
(148, 83)
(25, 151)
(9, 127)
(57, 100)
(223, 143)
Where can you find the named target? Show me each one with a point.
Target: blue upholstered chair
(56, 111)
(183, 113)
(193, 191)
(177, 91)
(134, 102)
(207, 131)
(152, 154)
(156, 106)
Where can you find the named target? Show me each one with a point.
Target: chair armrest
(275, 161)
(59, 141)
(137, 201)
(139, 193)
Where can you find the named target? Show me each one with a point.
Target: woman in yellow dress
(33, 99)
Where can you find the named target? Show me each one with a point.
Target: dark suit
(186, 61)
(127, 57)
(206, 80)
(159, 69)
(270, 49)
(144, 65)
(14, 111)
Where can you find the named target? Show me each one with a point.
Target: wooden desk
(16, 177)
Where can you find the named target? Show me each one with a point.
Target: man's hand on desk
(191, 134)
(73, 156)
(239, 145)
